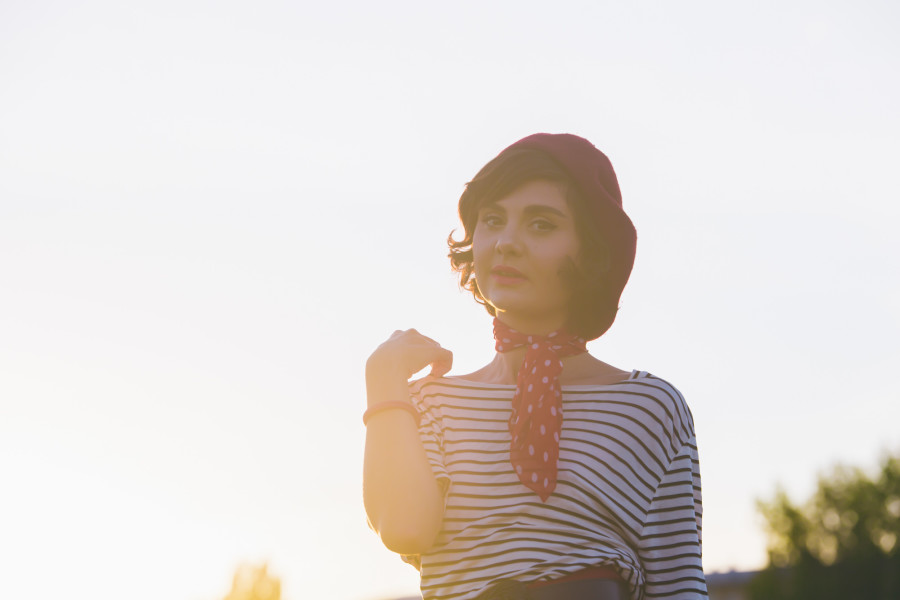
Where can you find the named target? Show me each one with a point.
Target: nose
(508, 242)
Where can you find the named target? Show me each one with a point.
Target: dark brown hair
(591, 310)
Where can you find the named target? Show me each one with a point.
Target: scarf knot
(536, 419)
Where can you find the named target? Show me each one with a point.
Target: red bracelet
(389, 405)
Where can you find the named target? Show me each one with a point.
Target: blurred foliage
(254, 583)
(841, 544)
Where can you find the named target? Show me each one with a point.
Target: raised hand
(406, 353)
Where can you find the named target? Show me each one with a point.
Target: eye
(491, 219)
(543, 225)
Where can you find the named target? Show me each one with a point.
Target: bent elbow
(406, 523)
(405, 540)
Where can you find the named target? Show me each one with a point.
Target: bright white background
(212, 212)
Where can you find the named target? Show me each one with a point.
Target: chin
(524, 311)
(521, 312)
(504, 304)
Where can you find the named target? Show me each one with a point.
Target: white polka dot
(546, 457)
(519, 469)
(530, 386)
(553, 410)
(531, 449)
(530, 339)
(505, 341)
(535, 346)
(543, 429)
(534, 370)
(546, 482)
(534, 477)
(530, 408)
(556, 436)
(546, 363)
(546, 380)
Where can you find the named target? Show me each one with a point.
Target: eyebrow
(528, 210)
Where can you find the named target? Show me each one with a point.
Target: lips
(505, 271)
(504, 274)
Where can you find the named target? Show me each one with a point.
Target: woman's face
(521, 244)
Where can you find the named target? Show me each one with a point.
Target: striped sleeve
(670, 542)
(432, 439)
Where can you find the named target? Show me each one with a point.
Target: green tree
(843, 543)
(254, 583)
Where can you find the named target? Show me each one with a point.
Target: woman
(547, 473)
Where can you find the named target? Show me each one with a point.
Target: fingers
(442, 365)
(413, 336)
(416, 335)
(425, 351)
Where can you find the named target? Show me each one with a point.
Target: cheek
(480, 251)
(559, 256)
(560, 269)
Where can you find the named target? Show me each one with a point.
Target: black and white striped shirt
(627, 497)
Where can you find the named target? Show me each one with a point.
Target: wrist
(383, 388)
(390, 405)
(382, 369)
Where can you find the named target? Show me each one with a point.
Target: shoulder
(599, 377)
(418, 388)
(585, 369)
(432, 390)
(667, 399)
(433, 384)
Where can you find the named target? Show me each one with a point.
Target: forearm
(402, 497)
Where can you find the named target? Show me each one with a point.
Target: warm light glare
(210, 215)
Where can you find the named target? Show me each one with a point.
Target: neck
(511, 352)
(532, 326)
(505, 366)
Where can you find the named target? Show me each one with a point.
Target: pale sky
(212, 212)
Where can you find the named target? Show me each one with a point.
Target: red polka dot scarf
(536, 419)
